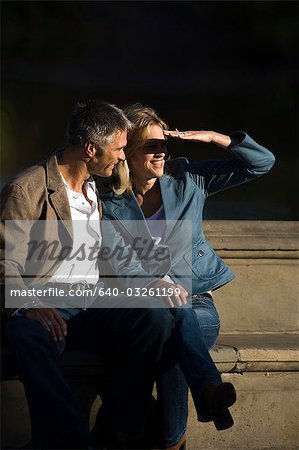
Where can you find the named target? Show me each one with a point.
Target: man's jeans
(172, 388)
(131, 337)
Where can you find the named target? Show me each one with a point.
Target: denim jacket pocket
(204, 262)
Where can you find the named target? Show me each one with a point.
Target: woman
(163, 191)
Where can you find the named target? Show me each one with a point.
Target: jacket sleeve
(251, 161)
(16, 217)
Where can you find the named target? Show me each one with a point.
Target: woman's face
(148, 161)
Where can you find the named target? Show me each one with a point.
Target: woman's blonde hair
(141, 118)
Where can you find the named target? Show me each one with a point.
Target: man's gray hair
(95, 121)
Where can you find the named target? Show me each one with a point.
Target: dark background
(223, 66)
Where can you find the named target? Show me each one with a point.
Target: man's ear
(90, 149)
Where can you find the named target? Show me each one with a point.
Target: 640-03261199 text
(97, 291)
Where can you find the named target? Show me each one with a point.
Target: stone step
(264, 369)
(258, 352)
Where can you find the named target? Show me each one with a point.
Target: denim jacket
(184, 190)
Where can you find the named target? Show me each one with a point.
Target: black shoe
(223, 420)
(217, 398)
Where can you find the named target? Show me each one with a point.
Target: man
(52, 207)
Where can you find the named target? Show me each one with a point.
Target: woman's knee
(206, 312)
(210, 326)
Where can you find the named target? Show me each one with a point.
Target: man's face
(103, 162)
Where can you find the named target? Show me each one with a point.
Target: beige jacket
(36, 204)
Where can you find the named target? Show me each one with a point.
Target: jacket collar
(169, 197)
(57, 192)
(54, 179)
(126, 207)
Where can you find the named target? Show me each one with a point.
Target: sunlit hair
(141, 119)
(95, 121)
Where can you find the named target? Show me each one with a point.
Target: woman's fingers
(178, 134)
(196, 136)
(169, 302)
(179, 296)
(172, 133)
(183, 294)
(176, 299)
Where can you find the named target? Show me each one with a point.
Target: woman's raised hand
(219, 139)
(197, 136)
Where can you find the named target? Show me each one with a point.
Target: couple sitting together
(153, 318)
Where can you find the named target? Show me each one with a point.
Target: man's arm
(17, 215)
(14, 233)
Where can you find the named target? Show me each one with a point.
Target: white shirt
(81, 264)
(156, 225)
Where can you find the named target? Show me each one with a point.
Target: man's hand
(50, 319)
(201, 136)
(175, 299)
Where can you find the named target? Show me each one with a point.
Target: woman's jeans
(172, 388)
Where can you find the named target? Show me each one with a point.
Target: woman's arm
(252, 160)
(201, 136)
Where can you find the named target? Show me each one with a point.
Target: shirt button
(200, 253)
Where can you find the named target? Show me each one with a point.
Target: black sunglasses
(155, 146)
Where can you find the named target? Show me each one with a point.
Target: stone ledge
(257, 353)
(225, 357)
(252, 234)
(263, 254)
(232, 353)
